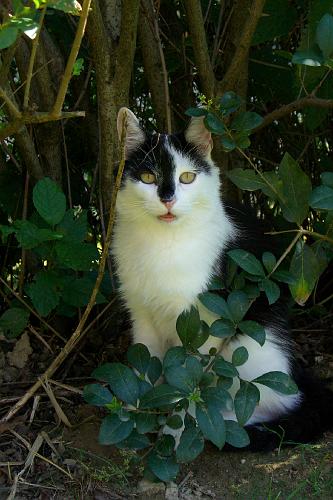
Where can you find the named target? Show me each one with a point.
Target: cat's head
(168, 179)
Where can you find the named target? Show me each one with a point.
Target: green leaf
(78, 66)
(225, 383)
(240, 356)
(269, 261)
(224, 368)
(228, 143)
(139, 357)
(271, 290)
(165, 468)
(191, 444)
(49, 201)
(295, 191)
(312, 56)
(238, 303)
(229, 103)
(162, 395)
(76, 255)
(134, 441)
(73, 228)
(181, 378)
(8, 35)
(242, 139)
(194, 367)
(211, 424)
(123, 382)
(246, 179)
(145, 422)
(154, 369)
(216, 304)
(246, 120)
(68, 6)
(253, 330)
(236, 435)
(6, 231)
(113, 430)
(284, 276)
(222, 329)
(196, 112)
(327, 179)
(144, 387)
(175, 356)
(44, 292)
(97, 395)
(77, 291)
(30, 236)
(174, 422)
(218, 396)
(321, 198)
(247, 261)
(201, 337)
(13, 322)
(324, 35)
(165, 445)
(214, 124)
(278, 381)
(246, 399)
(305, 269)
(188, 326)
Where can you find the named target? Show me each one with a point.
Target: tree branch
(242, 48)
(200, 47)
(286, 109)
(72, 58)
(29, 118)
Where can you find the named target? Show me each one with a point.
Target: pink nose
(169, 204)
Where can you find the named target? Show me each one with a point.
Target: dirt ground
(50, 450)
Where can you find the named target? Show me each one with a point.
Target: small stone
(149, 488)
(171, 492)
(243, 461)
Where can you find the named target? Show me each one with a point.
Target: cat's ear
(197, 134)
(135, 136)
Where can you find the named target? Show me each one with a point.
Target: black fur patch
(154, 156)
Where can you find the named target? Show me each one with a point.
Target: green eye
(187, 177)
(148, 178)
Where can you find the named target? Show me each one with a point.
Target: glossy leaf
(240, 356)
(218, 397)
(269, 261)
(253, 330)
(216, 304)
(224, 368)
(304, 268)
(245, 179)
(49, 201)
(236, 435)
(162, 395)
(246, 400)
(247, 261)
(214, 124)
(222, 329)
(271, 290)
(322, 198)
(191, 444)
(246, 120)
(165, 468)
(175, 356)
(113, 430)
(138, 356)
(324, 35)
(97, 395)
(174, 422)
(196, 112)
(211, 423)
(145, 422)
(278, 381)
(188, 326)
(238, 303)
(123, 382)
(134, 441)
(154, 369)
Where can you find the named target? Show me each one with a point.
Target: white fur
(164, 266)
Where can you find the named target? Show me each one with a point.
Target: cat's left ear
(135, 136)
(197, 134)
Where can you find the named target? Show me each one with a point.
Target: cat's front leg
(144, 332)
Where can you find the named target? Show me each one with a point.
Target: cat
(171, 235)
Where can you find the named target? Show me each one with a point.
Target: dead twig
(78, 333)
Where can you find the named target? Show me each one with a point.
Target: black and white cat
(171, 234)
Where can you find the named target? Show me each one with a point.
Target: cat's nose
(169, 203)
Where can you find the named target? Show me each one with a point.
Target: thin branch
(15, 112)
(29, 118)
(32, 59)
(286, 252)
(232, 74)
(72, 58)
(287, 109)
(78, 333)
(200, 47)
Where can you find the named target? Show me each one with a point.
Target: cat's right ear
(135, 136)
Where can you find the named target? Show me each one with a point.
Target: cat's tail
(306, 424)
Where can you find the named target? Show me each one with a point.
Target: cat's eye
(187, 177)
(148, 178)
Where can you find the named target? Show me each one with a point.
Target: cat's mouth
(168, 217)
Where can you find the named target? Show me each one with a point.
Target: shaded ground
(41, 458)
